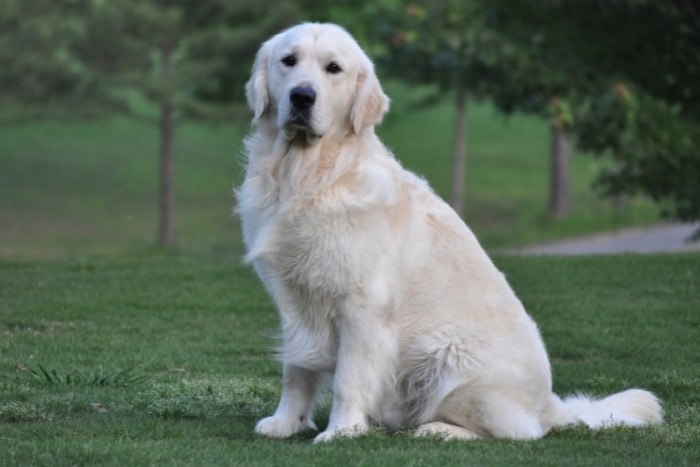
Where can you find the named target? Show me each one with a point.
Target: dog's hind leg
(507, 419)
(485, 416)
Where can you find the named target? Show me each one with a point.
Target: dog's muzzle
(302, 99)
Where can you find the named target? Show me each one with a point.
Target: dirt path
(657, 239)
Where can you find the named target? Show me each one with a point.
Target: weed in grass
(98, 377)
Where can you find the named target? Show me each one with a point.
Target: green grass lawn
(155, 359)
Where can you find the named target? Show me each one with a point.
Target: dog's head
(314, 78)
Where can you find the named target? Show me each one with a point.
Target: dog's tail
(634, 407)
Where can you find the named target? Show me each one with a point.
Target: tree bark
(166, 224)
(560, 178)
(459, 153)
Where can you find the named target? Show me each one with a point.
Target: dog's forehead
(322, 41)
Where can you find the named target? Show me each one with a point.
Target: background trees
(186, 59)
(453, 46)
(571, 61)
(163, 60)
(42, 73)
(464, 49)
(630, 70)
(619, 77)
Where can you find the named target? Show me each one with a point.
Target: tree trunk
(560, 183)
(619, 203)
(459, 153)
(166, 225)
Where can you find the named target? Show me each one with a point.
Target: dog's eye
(289, 60)
(333, 68)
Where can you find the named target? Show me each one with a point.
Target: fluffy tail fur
(634, 407)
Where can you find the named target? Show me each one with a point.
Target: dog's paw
(282, 427)
(444, 431)
(330, 435)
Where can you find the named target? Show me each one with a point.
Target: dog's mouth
(299, 124)
(300, 119)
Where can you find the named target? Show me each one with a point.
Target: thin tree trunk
(560, 182)
(166, 226)
(459, 153)
(619, 203)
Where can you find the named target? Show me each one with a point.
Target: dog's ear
(256, 88)
(370, 101)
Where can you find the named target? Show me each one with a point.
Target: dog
(378, 282)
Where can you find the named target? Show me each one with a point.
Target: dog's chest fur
(307, 247)
(315, 254)
(317, 229)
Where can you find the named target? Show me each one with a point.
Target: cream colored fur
(377, 281)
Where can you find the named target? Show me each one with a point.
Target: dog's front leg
(294, 411)
(364, 370)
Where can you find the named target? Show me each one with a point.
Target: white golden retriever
(377, 281)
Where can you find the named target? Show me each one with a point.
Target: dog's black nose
(302, 97)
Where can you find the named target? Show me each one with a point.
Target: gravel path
(657, 239)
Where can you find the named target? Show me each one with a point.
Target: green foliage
(630, 69)
(86, 58)
(182, 52)
(654, 148)
(447, 43)
(42, 73)
(71, 59)
(554, 58)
